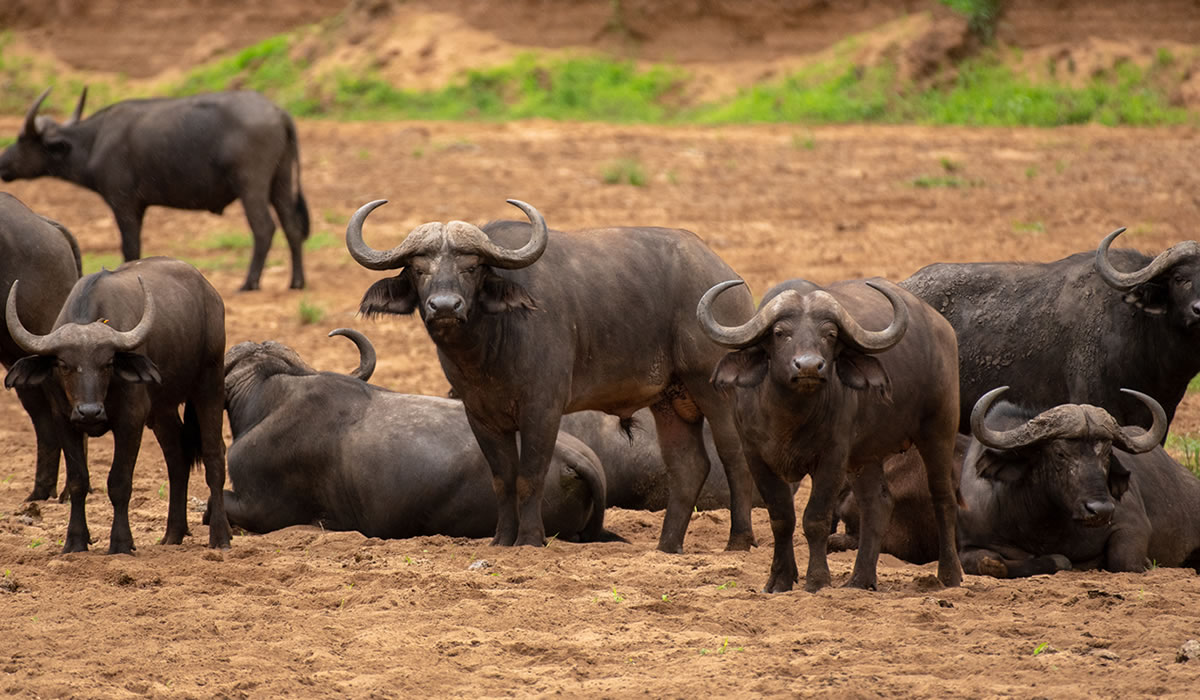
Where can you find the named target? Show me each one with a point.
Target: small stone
(1190, 650)
(24, 519)
(479, 564)
(1106, 654)
(197, 505)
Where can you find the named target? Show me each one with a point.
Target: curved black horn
(1134, 439)
(749, 333)
(527, 254)
(130, 339)
(78, 113)
(29, 128)
(875, 341)
(1000, 440)
(366, 352)
(365, 255)
(1124, 281)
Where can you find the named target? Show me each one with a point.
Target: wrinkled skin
(45, 256)
(808, 403)
(98, 386)
(602, 319)
(1052, 330)
(200, 152)
(382, 463)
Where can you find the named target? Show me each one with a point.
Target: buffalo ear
(29, 371)
(1118, 478)
(860, 371)
(999, 465)
(744, 368)
(498, 294)
(55, 143)
(136, 368)
(394, 295)
(1150, 298)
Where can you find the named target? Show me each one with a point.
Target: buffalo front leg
(127, 442)
(682, 446)
(129, 221)
(45, 479)
(777, 495)
(262, 227)
(981, 561)
(729, 450)
(74, 446)
(205, 410)
(875, 512)
(500, 450)
(827, 481)
(538, 438)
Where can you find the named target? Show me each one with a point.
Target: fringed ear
(135, 368)
(997, 465)
(1118, 478)
(394, 295)
(1151, 297)
(744, 368)
(860, 371)
(498, 295)
(28, 371)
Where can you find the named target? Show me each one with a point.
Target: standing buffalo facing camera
(817, 393)
(372, 460)
(199, 152)
(531, 324)
(129, 346)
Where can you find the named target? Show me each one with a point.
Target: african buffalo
(816, 393)
(372, 460)
(44, 254)
(128, 347)
(1050, 330)
(199, 152)
(597, 319)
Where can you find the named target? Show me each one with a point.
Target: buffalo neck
(476, 344)
(76, 166)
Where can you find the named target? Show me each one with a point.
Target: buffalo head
(1169, 285)
(83, 359)
(1063, 454)
(41, 146)
(802, 340)
(447, 270)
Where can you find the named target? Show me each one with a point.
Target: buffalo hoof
(865, 585)
(1061, 563)
(814, 584)
(297, 284)
(75, 545)
(121, 546)
(249, 286)
(740, 542)
(992, 567)
(670, 548)
(173, 537)
(39, 494)
(841, 542)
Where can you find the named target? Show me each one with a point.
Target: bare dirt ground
(304, 612)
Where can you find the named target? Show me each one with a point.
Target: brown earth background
(304, 612)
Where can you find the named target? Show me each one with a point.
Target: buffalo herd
(1003, 419)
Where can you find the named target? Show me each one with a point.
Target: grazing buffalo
(199, 152)
(1050, 330)
(597, 319)
(372, 460)
(44, 254)
(816, 393)
(128, 347)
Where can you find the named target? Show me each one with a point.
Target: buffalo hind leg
(262, 227)
(938, 455)
(682, 445)
(74, 446)
(205, 411)
(168, 430)
(500, 451)
(129, 221)
(719, 413)
(292, 211)
(45, 479)
(782, 509)
(875, 511)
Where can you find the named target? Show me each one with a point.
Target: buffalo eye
(468, 270)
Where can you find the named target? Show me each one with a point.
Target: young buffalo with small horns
(531, 323)
(816, 393)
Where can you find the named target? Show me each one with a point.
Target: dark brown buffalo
(1050, 330)
(198, 152)
(129, 346)
(816, 393)
(530, 325)
(44, 254)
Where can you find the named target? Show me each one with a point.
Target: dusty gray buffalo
(199, 152)
(1050, 330)
(388, 465)
(598, 319)
(128, 347)
(818, 394)
(44, 254)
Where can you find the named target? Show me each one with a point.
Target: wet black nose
(444, 304)
(1099, 510)
(90, 411)
(809, 364)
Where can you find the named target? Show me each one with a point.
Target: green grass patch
(1028, 227)
(928, 182)
(323, 240)
(1185, 448)
(310, 312)
(228, 240)
(94, 262)
(625, 170)
(1194, 385)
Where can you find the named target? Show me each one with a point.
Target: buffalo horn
(527, 254)
(1000, 440)
(78, 113)
(1136, 440)
(874, 341)
(30, 126)
(1124, 281)
(749, 333)
(31, 343)
(366, 352)
(125, 341)
(369, 257)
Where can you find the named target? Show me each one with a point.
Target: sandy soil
(310, 613)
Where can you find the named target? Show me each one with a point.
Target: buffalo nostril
(89, 410)
(809, 363)
(1196, 308)
(1099, 509)
(458, 304)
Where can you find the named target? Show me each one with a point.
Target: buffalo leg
(537, 450)
(262, 226)
(938, 455)
(127, 442)
(74, 446)
(682, 445)
(875, 511)
(129, 221)
(169, 432)
(777, 495)
(287, 207)
(827, 480)
(500, 450)
(980, 561)
(1129, 544)
(45, 478)
(729, 448)
(206, 411)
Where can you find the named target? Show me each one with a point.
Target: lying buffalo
(128, 347)
(44, 254)
(382, 463)
(1065, 488)
(199, 152)
(1050, 330)
(818, 394)
(598, 319)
